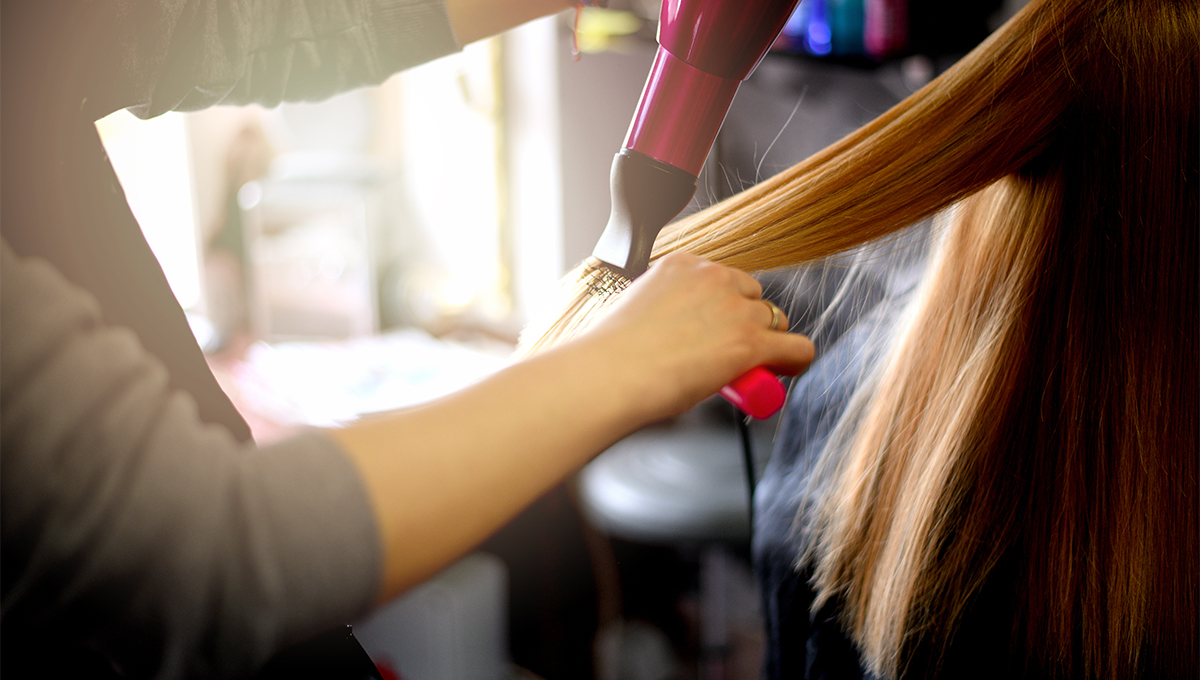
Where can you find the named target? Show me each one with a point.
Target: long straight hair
(1033, 430)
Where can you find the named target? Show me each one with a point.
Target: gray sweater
(136, 524)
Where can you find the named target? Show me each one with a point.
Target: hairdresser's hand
(688, 327)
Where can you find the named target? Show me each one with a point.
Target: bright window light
(151, 161)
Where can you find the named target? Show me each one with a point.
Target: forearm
(133, 528)
(444, 476)
(476, 19)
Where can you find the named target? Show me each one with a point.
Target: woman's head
(1033, 432)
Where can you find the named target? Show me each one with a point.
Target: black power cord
(743, 427)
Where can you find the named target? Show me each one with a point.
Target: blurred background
(386, 246)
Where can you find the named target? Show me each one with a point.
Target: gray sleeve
(161, 55)
(133, 528)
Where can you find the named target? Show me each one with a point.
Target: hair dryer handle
(758, 393)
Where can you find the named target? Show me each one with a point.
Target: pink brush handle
(758, 393)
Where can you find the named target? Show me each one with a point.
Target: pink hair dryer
(706, 49)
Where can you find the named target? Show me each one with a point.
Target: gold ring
(776, 315)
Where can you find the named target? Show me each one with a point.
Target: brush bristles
(601, 281)
(584, 292)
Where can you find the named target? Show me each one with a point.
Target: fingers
(715, 312)
(779, 320)
(789, 353)
(747, 285)
(743, 284)
(785, 353)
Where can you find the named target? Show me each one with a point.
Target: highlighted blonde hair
(1034, 427)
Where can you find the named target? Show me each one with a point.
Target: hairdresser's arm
(444, 476)
(476, 19)
(153, 56)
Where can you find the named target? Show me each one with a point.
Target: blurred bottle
(825, 28)
(885, 31)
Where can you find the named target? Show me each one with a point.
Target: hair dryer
(706, 49)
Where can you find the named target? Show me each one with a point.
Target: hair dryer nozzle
(646, 195)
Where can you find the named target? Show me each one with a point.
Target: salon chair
(683, 484)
